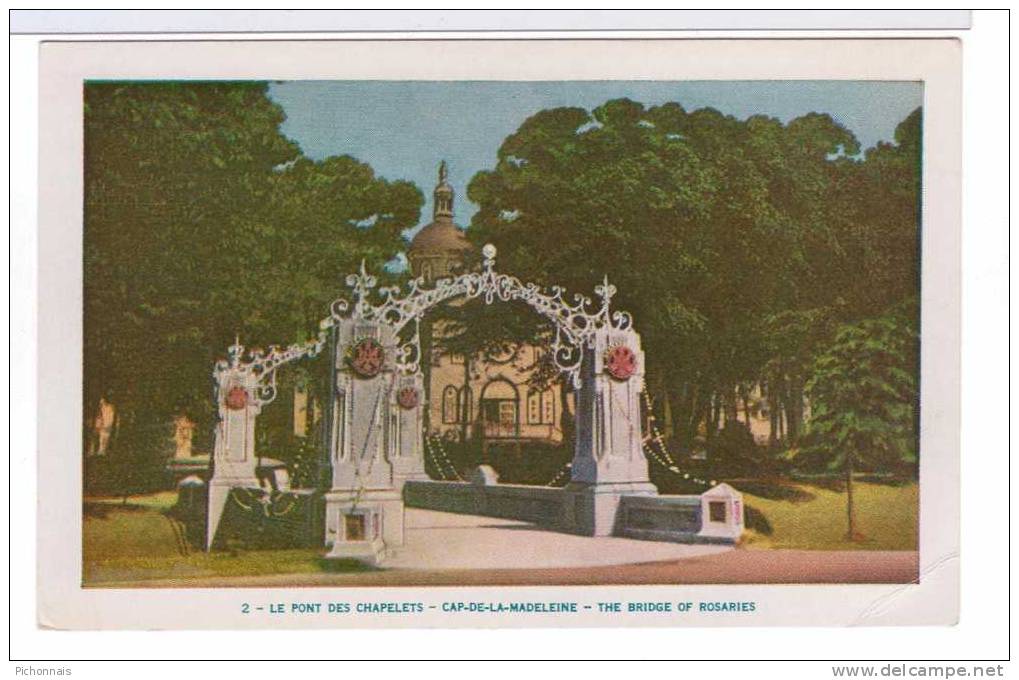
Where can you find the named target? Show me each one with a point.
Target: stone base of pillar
(371, 552)
(593, 509)
(219, 492)
(365, 526)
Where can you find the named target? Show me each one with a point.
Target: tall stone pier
(608, 461)
(374, 442)
(234, 459)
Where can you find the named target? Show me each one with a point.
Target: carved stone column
(364, 508)
(234, 460)
(609, 459)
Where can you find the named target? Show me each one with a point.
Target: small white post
(722, 513)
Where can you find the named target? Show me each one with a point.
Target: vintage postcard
(509, 333)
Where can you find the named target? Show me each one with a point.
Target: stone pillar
(609, 460)
(364, 508)
(234, 460)
(406, 407)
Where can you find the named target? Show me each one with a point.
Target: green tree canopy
(863, 396)
(714, 229)
(203, 221)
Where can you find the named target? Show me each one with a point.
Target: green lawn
(136, 541)
(814, 518)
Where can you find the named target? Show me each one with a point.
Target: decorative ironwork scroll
(262, 365)
(574, 322)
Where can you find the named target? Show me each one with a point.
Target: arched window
(450, 407)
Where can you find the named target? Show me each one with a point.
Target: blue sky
(404, 128)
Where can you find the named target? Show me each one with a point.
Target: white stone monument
(609, 460)
(364, 507)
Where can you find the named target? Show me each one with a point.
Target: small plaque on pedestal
(359, 536)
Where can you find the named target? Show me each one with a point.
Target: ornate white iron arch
(375, 436)
(574, 323)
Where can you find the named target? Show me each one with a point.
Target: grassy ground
(811, 517)
(136, 540)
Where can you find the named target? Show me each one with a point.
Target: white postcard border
(64, 65)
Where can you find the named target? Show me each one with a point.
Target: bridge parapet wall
(537, 504)
(713, 517)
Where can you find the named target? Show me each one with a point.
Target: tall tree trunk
(780, 412)
(785, 406)
(795, 408)
(694, 416)
(714, 415)
(851, 533)
(683, 406)
(711, 421)
(668, 428)
(745, 396)
(772, 419)
(729, 402)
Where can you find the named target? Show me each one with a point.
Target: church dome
(439, 248)
(440, 237)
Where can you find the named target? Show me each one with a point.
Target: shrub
(732, 452)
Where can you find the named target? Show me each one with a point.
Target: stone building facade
(478, 397)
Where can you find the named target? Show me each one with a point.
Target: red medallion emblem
(620, 362)
(407, 398)
(236, 398)
(366, 358)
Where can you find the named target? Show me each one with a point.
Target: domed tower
(438, 250)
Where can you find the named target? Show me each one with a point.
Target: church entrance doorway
(500, 410)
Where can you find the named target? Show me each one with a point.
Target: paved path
(442, 540)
